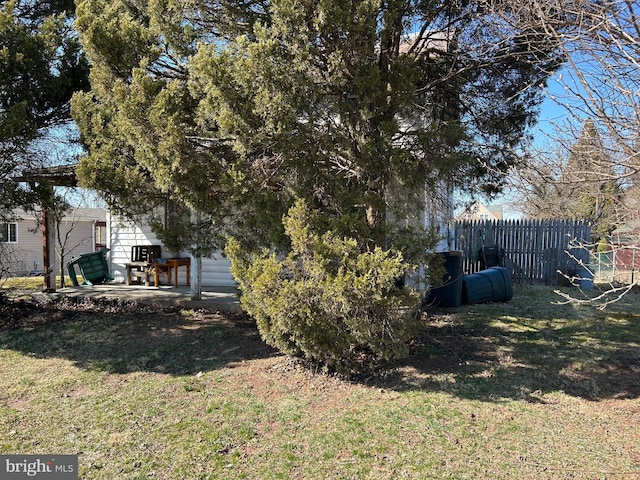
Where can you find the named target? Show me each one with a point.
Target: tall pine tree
(588, 187)
(242, 110)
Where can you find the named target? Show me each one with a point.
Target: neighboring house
(479, 211)
(622, 256)
(82, 230)
(123, 234)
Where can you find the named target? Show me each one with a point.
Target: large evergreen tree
(590, 182)
(252, 104)
(41, 66)
(244, 109)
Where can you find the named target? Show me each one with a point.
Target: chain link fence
(619, 265)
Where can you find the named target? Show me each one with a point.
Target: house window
(100, 235)
(9, 232)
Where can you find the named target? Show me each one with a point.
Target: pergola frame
(49, 178)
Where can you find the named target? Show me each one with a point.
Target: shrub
(327, 300)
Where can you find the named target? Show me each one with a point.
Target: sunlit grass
(29, 283)
(520, 390)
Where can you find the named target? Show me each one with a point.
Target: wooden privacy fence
(534, 250)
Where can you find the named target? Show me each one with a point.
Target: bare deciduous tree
(600, 84)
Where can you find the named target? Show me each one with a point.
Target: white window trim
(8, 225)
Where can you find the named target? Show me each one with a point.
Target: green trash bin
(93, 268)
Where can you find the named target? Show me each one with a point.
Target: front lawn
(521, 390)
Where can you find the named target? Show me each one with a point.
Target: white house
(428, 209)
(122, 234)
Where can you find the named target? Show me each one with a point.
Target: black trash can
(449, 294)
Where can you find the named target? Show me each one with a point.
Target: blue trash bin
(449, 294)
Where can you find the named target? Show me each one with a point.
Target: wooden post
(47, 254)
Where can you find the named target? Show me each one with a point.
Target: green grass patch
(22, 283)
(29, 284)
(517, 390)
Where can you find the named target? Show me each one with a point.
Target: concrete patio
(212, 298)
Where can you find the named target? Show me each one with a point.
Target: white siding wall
(80, 240)
(124, 234)
(215, 272)
(439, 214)
(27, 252)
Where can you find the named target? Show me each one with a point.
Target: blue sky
(554, 114)
(555, 111)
